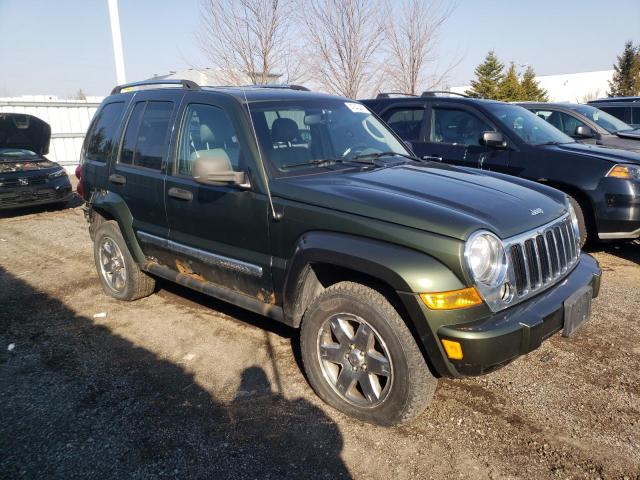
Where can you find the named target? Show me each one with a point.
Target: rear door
(138, 174)
(407, 120)
(219, 233)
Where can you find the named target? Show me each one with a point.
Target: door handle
(432, 158)
(117, 179)
(180, 194)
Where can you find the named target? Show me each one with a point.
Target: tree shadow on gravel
(78, 401)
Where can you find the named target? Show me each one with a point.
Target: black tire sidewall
(110, 229)
(393, 407)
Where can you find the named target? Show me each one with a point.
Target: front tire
(585, 232)
(361, 358)
(119, 274)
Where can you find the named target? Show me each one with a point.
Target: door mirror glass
(493, 140)
(214, 168)
(582, 131)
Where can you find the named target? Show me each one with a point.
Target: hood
(632, 134)
(18, 130)
(615, 155)
(616, 141)
(436, 198)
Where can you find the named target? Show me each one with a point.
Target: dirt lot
(180, 385)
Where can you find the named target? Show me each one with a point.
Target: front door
(218, 233)
(454, 137)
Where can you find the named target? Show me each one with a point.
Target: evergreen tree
(509, 89)
(626, 73)
(488, 77)
(531, 89)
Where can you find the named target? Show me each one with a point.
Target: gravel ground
(180, 385)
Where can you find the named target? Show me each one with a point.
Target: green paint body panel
(405, 226)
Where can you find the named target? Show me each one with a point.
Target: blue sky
(57, 47)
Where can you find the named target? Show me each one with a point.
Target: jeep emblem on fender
(537, 211)
(23, 181)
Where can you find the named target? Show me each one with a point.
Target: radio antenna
(276, 216)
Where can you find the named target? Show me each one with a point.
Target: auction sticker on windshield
(356, 107)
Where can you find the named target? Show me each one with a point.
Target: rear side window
(102, 138)
(635, 115)
(623, 113)
(145, 139)
(406, 122)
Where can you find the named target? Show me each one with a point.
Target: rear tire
(585, 232)
(119, 274)
(361, 358)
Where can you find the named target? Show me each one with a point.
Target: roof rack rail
(435, 93)
(188, 84)
(616, 99)
(389, 94)
(301, 88)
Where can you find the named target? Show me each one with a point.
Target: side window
(207, 132)
(102, 136)
(145, 139)
(623, 113)
(457, 127)
(569, 124)
(406, 122)
(635, 115)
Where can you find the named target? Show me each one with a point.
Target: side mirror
(216, 170)
(493, 140)
(582, 131)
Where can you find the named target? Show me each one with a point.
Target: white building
(570, 87)
(69, 121)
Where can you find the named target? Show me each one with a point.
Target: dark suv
(626, 109)
(603, 184)
(587, 124)
(307, 209)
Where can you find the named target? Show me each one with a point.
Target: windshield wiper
(387, 154)
(319, 162)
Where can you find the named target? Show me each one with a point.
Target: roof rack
(615, 99)
(389, 94)
(435, 93)
(281, 85)
(188, 84)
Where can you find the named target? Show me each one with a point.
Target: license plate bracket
(577, 310)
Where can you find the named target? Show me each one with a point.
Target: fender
(403, 269)
(115, 207)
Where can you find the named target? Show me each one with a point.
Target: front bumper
(617, 209)
(495, 341)
(53, 191)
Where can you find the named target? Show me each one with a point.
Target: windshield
(17, 152)
(319, 134)
(610, 123)
(528, 126)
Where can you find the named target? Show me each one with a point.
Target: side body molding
(403, 269)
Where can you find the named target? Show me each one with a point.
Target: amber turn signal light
(453, 349)
(619, 171)
(452, 300)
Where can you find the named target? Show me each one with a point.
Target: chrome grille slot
(541, 257)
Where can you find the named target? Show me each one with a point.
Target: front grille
(30, 182)
(540, 258)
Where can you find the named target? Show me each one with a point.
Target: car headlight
(630, 172)
(486, 259)
(58, 173)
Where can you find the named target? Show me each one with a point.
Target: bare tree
(412, 41)
(343, 37)
(248, 40)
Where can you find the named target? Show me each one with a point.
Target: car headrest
(284, 130)
(206, 135)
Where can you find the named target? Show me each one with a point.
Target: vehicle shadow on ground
(74, 202)
(80, 401)
(626, 250)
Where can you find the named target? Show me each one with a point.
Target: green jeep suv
(307, 209)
